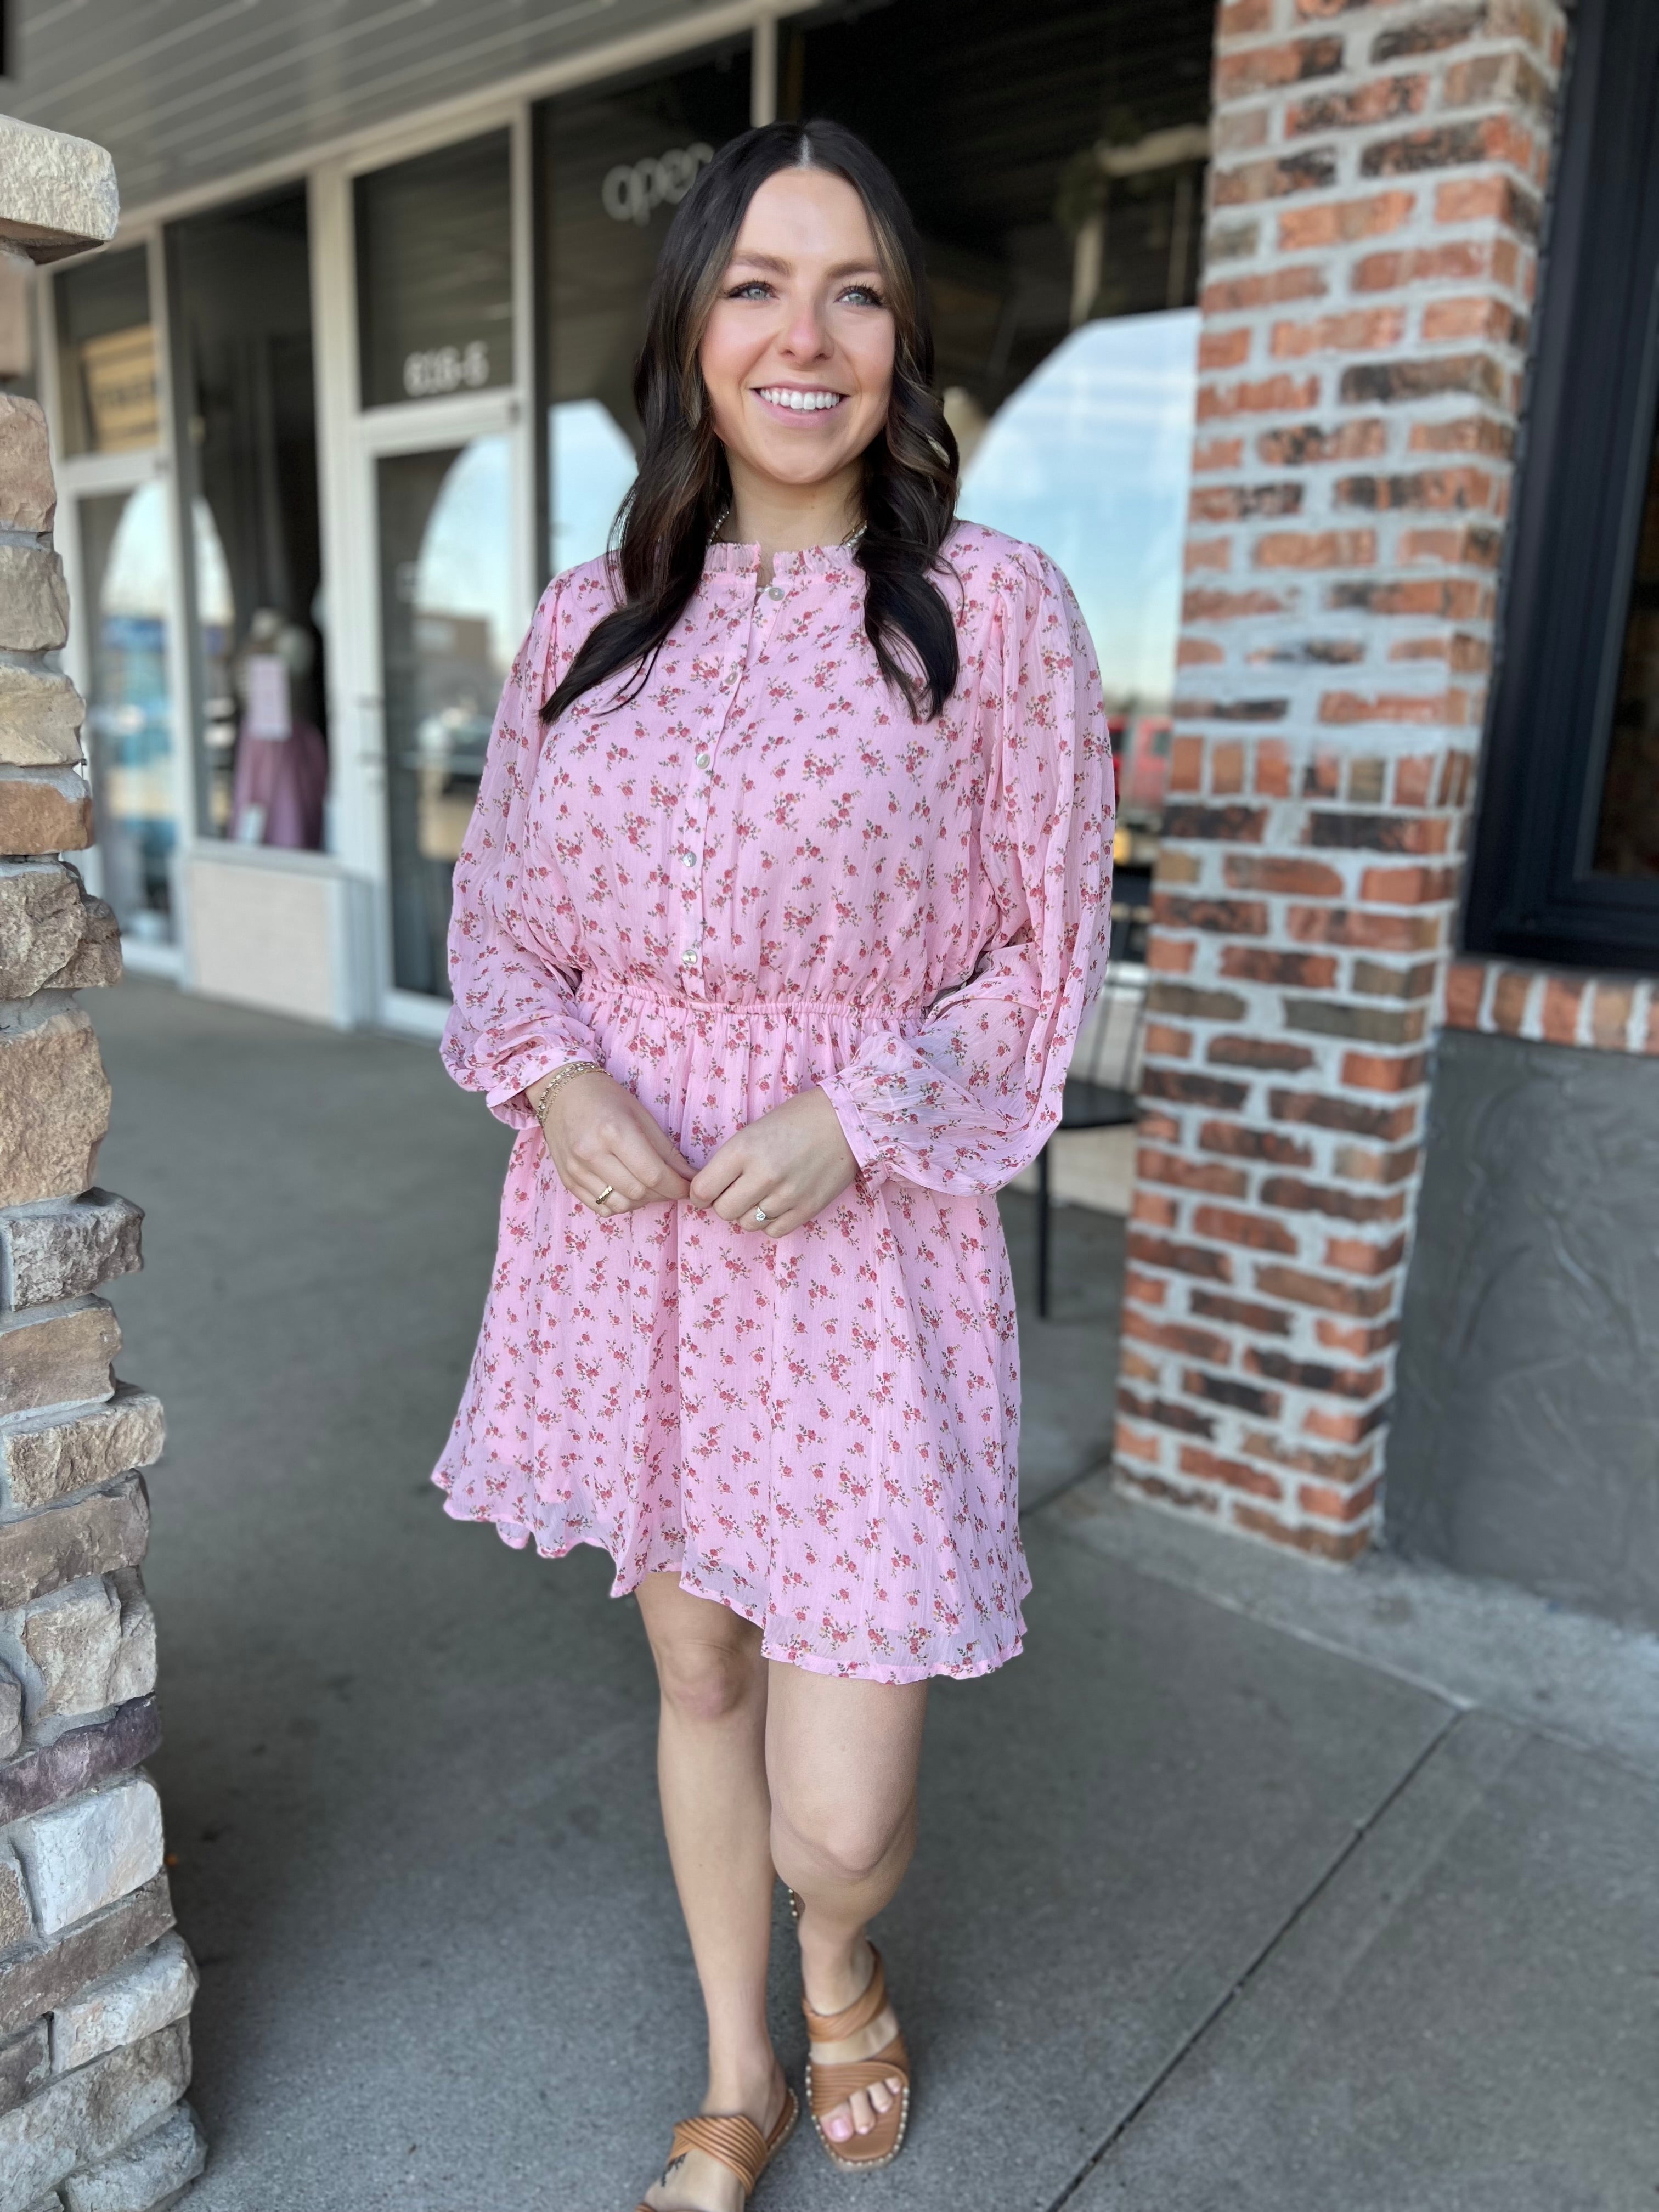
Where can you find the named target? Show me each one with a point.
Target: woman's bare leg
(842, 1758)
(711, 1770)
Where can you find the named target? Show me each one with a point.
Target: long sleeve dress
(760, 875)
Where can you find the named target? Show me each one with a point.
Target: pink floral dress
(759, 876)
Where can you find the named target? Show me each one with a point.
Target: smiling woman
(786, 892)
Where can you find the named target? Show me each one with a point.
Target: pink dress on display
(762, 875)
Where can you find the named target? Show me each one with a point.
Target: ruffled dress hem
(518, 1538)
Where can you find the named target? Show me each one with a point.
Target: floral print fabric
(759, 875)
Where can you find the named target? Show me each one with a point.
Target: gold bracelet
(570, 1068)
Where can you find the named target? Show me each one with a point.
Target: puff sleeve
(968, 1098)
(514, 1016)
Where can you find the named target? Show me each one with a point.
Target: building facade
(1315, 339)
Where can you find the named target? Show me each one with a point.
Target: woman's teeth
(804, 402)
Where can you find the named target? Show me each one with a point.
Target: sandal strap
(731, 2139)
(835, 2027)
(833, 2082)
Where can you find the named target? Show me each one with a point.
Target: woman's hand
(598, 1132)
(792, 1163)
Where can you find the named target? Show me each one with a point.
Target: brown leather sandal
(733, 2139)
(830, 2083)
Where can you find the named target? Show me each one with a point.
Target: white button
(689, 860)
(705, 760)
(774, 593)
(687, 959)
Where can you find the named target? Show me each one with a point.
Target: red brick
(1371, 932)
(1259, 1052)
(1406, 886)
(1164, 1041)
(1193, 1089)
(1376, 1071)
(1486, 200)
(1138, 1445)
(1563, 996)
(1241, 502)
(1352, 1255)
(1442, 490)
(1277, 179)
(1413, 779)
(1314, 1374)
(1136, 1367)
(1339, 222)
(1461, 261)
(1171, 956)
(1445, 321)
(1345, 709)
(1457, 599)
(1345, 1468)
(1208, 606)
(1167, 1413)
(1259, 67)
(1308, 443)
(1509, 1000)
(1236, 1474)
(1303, 971)
(1187, 765)
(1224, 349)
(1207, 556)
(1381, 100)
(1272, 395)
(1237, 295)
(1326, 1543)
(1175, 1336)
(1291, 1195)
(1227, 769)
(1360, 1165)
(1230, 1226)
(1238, 19)
(1229, 917)
(1180, 1259)
(1361, 330)
(1475, 546)
(1154, 1166)
(1337, 1505)
(1198, 652)
(1222, 1390)
(1299, 1288)
(1384, 1125)
(1272, 767)
(1610, 1012)
(1144, 1290)
(1465, 980)
(1272, 1321)
(1170, 1493)
(1315, 549)
(1344, 1428)
(1363, 1343)
(1228, 1137)
(1217, 454)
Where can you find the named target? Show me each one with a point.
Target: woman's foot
(698, 2183)
(832, 1984)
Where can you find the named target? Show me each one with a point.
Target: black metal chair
(1101, 1085)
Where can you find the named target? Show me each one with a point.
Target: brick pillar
(94, 1986)
(1371, 258)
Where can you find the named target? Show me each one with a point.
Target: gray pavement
(1251, 1884)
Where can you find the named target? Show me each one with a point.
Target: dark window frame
(1572, 556)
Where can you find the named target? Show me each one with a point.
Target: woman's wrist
(539, 1092)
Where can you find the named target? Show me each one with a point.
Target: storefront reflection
(130, 730)
(448, 632)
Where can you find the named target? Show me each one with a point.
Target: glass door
(443, 480)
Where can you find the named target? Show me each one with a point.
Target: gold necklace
(725, 516)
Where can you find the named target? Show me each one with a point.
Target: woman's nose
(803, 336)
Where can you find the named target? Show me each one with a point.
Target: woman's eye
(754, 289)
(864, 295)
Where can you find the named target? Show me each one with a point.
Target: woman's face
(798, 355)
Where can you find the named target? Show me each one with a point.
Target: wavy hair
(684, 486)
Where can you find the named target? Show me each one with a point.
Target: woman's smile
(797, 400)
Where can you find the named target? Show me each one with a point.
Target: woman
(786, 892)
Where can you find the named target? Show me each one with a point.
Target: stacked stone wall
(1376, 205)
(95, 1984)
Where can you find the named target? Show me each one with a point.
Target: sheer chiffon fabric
(759, 875)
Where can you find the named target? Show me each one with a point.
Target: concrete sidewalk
(1249, 1885)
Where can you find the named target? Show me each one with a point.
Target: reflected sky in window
(1089, 459)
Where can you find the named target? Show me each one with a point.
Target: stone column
(96, 1987)
(1372, 257)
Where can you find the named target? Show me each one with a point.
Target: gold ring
(605, 1194)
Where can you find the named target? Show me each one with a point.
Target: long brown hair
(684, 486)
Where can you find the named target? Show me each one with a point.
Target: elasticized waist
(796, 1006)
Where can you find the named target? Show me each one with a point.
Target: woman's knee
(708, 1679)
(842, 1843)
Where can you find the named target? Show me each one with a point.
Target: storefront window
(1627, 836)
(107, 355)
(124, 560)
(241, 288)
(449, 627)
(435, 271)
(1054, 161)
(613, 167)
